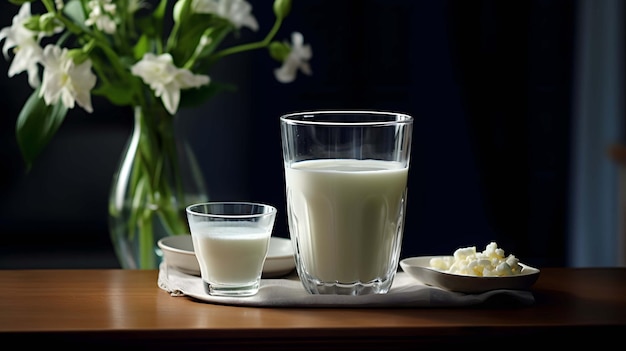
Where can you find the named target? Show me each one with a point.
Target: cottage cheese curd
(489, 263)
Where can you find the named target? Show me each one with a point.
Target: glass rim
(272, 209)
(298, 118)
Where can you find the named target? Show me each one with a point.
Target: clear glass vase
(158, 176)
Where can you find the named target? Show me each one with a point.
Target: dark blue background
(488, 82)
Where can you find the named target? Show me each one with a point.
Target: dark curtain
(513, 62)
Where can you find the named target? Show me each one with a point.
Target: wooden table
(99, 308)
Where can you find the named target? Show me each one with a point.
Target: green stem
(250, 46)
(49, 4)
(156, 187)
(146, 241)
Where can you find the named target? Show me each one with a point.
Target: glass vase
(157, 177)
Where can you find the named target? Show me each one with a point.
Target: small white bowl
(419, 268)
(178, 253)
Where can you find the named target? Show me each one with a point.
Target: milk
(346, 216)
(230, 255)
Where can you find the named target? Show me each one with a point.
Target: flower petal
(25, 44)
(64, 80)
(166, 79)
(297, 59)
(237, 12)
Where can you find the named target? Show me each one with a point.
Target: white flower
(298, 58)
(101, 14)
(238, 12)
(166, 79)
(26, 46)
(63, 79)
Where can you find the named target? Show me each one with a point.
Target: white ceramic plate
(419, 268)
(178, 253)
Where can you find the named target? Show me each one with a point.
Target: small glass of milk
(231, 241)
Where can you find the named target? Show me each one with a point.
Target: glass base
(231, 290)
(315, 287)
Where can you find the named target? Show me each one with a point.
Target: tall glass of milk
(346, 190)
(231, 241)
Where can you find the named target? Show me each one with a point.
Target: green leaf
(196, 96)
(117, 94)
(142, 46)
(20, 2)
(217, 35)
(36, 125)
(158, 15)
(146, 26)
(74, 10)
(191, 32)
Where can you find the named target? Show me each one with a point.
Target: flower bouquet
(152, 56)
